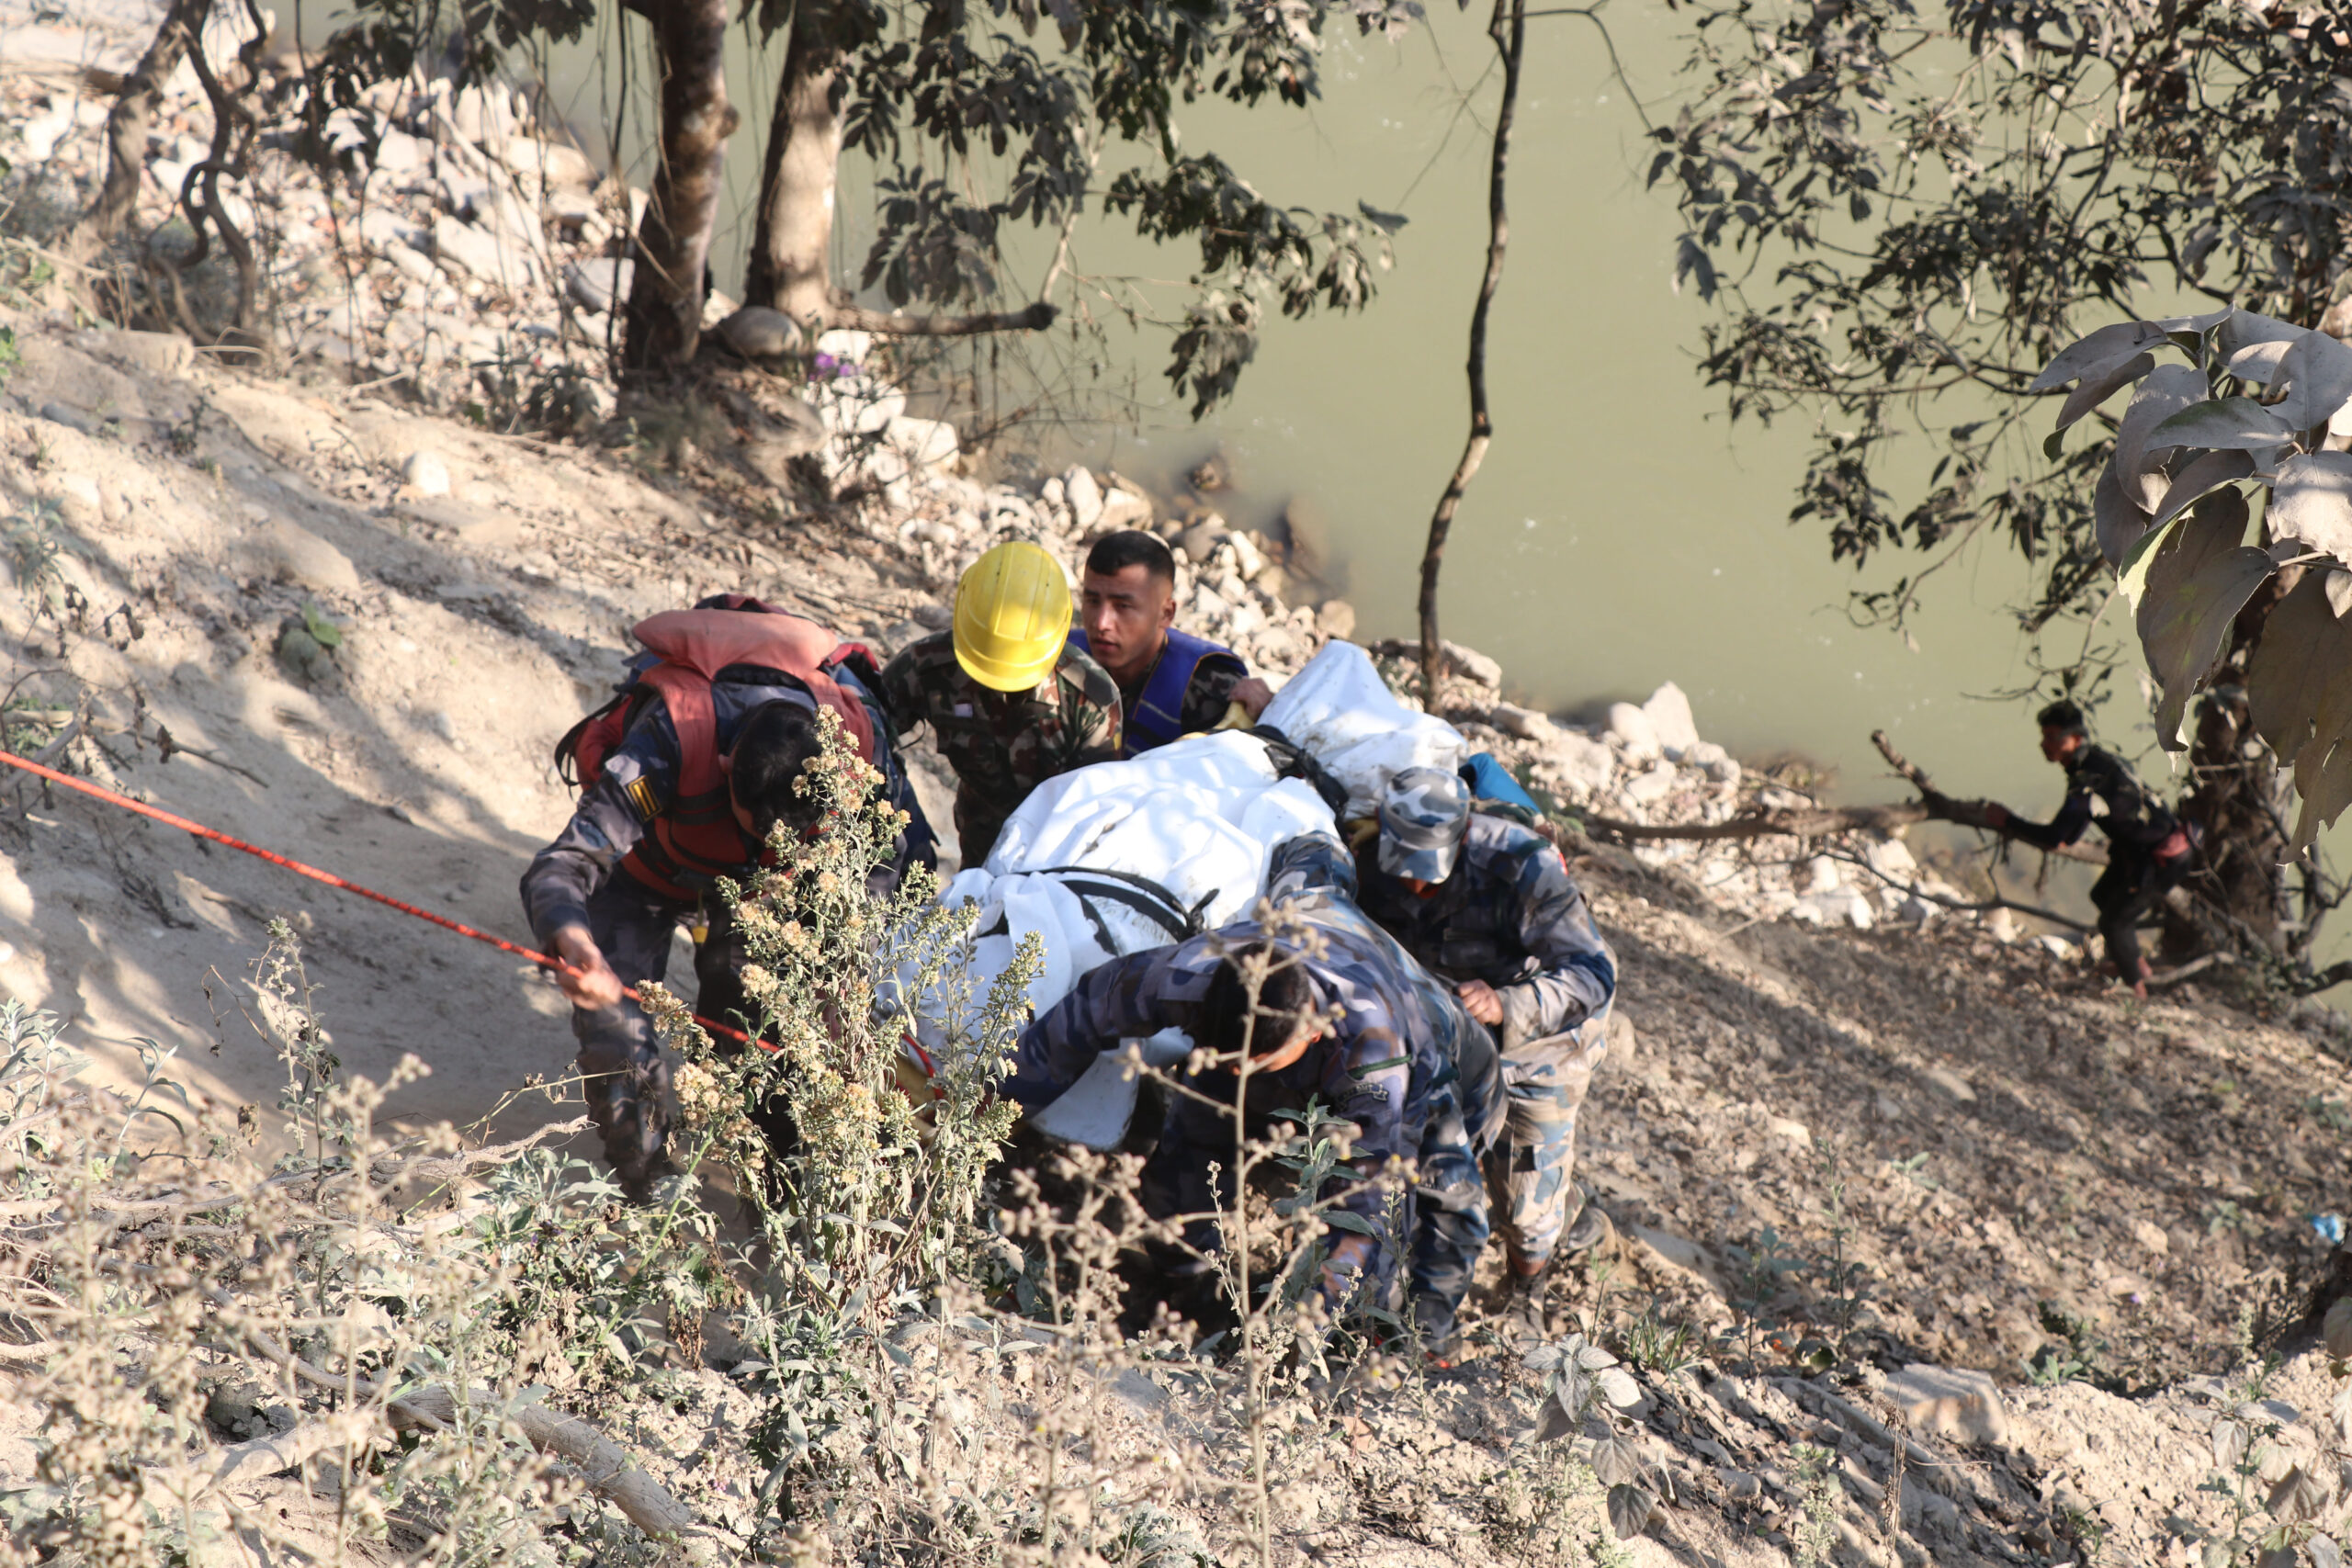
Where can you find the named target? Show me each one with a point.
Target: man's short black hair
(1286, 999)
(1113, 553)
(2063, 714)
(772, 750)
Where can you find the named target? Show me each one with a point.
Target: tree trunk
(1508, 28)
(2237, 796)
(791, 246)
(126, 123)
(663, 317)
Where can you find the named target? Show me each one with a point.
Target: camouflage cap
(1424, 812)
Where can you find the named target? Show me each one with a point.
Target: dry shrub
(932, 1341)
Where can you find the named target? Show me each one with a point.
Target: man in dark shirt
(663, 814)
(1344, 1017)
(1170, 683)
(2147, 851)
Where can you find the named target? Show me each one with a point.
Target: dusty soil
(2006, 1133)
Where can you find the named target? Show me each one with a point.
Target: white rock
(425, 473)
(1670, 716)
(2057, 946)
(2002, 925)
(1247, 559)
(1718, 763)
(1472, 665)
(409, 260)
(1122, 508)
(1648, 789)
(1084, 497)
(460, 244)
(924, 443)
(1525, 723)
(852, 346)
(1583, 765)
(1916, 910)
(1943, 1402)
(44, 130)
(1634, 729)
(292, 554)
(562, 167)
(397, 152)
(1839, 906)
(757, 332)
(1824, 874)
(1892, 857)
(595, 284)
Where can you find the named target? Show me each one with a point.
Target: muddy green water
(1621, 533)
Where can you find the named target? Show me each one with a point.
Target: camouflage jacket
(639, 781)
(1399, 1036)
(1002, 744)
(1511, 916)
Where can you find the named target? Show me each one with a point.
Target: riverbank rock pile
(1647, 763)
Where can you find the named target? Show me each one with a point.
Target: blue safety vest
(1158, 717)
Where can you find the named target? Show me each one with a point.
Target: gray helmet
(1423, 814)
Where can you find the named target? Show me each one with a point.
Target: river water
(1622, 532)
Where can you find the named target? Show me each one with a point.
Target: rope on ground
(170, 820)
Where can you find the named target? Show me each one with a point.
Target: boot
(1590, 1229)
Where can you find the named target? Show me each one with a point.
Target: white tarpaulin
(1340, 709)
(1124, 857)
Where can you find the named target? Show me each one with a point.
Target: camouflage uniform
(1002, 744)
(1509, 916)
(1404, 1062)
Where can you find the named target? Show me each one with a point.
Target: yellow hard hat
(1012, 614)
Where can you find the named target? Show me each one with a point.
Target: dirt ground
(1951, 1142)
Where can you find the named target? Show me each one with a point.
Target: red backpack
(697, 834)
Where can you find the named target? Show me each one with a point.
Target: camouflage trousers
(1445, 1210)
(1529, 1171)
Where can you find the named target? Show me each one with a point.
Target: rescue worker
(1170, 683)
(2148, 851)
(1010, 699)
(1488, 906)
(685, 774)
(1354, 1023)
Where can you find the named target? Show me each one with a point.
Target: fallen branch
(852, 317)
(287, 1450)
(2189, 970)
(1778, 822)
(605, 1465)
(1829, 821)
(1976, 814)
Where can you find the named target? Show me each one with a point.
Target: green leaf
(2238, 422)
(2311, 500)
(1346, 1220)
(324, 632)
(1628, 1510)
(2132, 581)
(1616, 1460)
(2096, 389)
(2196, 585)
(2053, 446)
(2098, 354)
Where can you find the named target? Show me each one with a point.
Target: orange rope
(331, 880)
